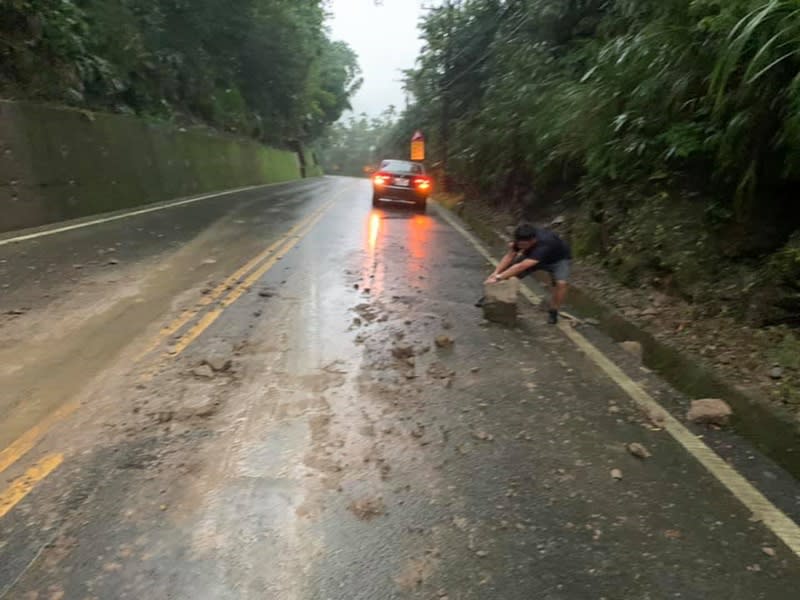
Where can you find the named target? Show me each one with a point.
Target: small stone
(592, 322)
(266, 294)
(444, 341)
(483, 436)
(673, 534)
(481, 554)
(77, 266)
(203, 372)
(754, 568)
(633, 348)
(113, 261)
(475, 370)
(614, 409)
(638, 450)
(709, 411)
(403, 352)
(616, 474)
(768, 551)
(776, 373)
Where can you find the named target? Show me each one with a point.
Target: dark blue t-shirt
(549, 248)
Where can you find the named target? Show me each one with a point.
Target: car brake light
(422, 183)
(380, 179)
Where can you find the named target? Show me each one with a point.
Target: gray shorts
(559, 271)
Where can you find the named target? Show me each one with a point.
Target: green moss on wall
(58, 164)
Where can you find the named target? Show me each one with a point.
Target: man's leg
(559, 294)
(560, 274)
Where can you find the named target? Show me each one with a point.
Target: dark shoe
(552, 319)
(480, 302)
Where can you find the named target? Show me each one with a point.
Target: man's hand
(493, 278)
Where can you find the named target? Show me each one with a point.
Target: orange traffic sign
(418, 147)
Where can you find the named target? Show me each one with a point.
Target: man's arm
(516, 269)
(504, 263)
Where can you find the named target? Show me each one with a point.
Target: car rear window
(401, 166)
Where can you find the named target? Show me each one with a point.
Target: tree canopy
(264, 68)
(535, 92)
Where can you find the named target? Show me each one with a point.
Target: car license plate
(401, 182)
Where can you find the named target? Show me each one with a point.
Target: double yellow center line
(226, 293)
(235, 286)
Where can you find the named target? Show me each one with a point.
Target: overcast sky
(386, 40)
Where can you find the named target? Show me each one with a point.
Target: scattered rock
(444, 341)
(768, 551)
(614, 409)
(776, 373)
(113, 261)
(483, 436)
(638, 450)
(403, 352)
(559, 220)
(195, 403)
(367, 509)
(266, 294)
(616, 474)
(709, 411)
(592, 322)
(754, 568)
(475, 370)
(16, 312)
(77, 266)
(650, 312)
(481, 554)
(219, 357)
(439, 371)
(204, 371)
(633, 348)
(673, 534)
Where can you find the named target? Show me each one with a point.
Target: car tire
(375, 199)
(422, 205)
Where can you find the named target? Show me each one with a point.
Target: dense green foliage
(350, 146)
(693, 104)
(258, 67)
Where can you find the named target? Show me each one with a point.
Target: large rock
(500, 304)
(709, 411)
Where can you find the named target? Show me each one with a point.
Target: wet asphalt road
(336, 452)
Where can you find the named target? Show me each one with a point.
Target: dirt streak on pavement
(315, 443)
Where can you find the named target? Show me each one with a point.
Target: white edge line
(763, 510)
(137, 212)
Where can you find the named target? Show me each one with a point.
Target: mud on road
(314, 441)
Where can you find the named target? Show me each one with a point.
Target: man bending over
(535, 249)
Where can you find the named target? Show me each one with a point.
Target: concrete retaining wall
(58, 164)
